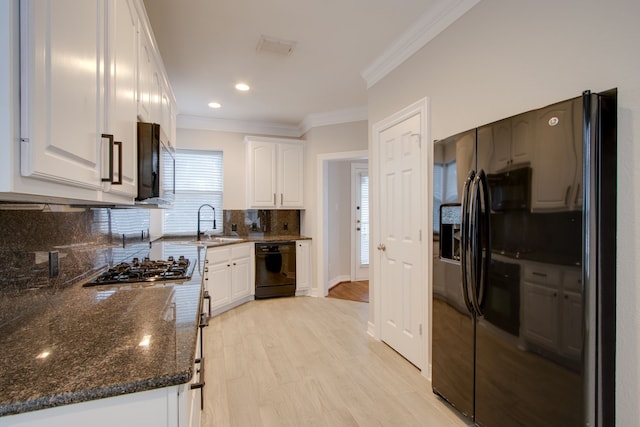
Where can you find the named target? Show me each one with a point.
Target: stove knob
(136, 260)
(170, 259)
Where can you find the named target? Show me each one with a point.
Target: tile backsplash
(87, 240)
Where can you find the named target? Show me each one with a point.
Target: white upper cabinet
(61, 89)
(505, 144)
(557, 170)
(121, 101)
(78, 88)
(145, 74)
(276, 173)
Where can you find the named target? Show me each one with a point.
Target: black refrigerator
(524, 267)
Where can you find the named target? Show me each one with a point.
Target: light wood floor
(308, 362)
(352, 291)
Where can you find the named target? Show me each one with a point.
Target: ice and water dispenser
(450, 219)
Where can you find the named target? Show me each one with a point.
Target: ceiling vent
(273, 45)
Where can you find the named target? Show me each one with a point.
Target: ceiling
(210, 45)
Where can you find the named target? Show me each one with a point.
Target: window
(199, 180)
(364, 218)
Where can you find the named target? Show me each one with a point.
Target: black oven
(510, 190)
(275, 269)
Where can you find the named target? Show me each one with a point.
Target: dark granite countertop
(75, 343)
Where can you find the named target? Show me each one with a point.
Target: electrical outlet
(285, 226)
(234, 227)
(54, 264)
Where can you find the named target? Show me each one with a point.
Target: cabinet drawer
(241, 250)
(542, 275)
(218, 255)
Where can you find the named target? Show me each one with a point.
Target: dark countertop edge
(114, 390)
(243, 239)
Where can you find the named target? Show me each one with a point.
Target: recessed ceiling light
(242, 87)
(214, 105)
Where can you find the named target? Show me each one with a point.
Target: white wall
(339, 221)
(504, 57)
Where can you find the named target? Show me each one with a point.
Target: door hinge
(420, 329)
(420, 235)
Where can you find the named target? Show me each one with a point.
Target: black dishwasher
(275, 269)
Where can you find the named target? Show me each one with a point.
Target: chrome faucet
(214, 218)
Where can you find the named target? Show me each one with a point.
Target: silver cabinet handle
(281, 199)
(274, 199)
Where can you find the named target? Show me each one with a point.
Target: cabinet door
(240, 278)
(501, 158)
(61, 90)
(303, 266)
(144, 76)
(571, 312)
(262, 175)
(522, 135)
(555, 162)
(219, 284)
(540, 319)
(121, 104)
(290, 177)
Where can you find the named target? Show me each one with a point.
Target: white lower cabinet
(159, 408)
(229, 276)
(553, 309)
(303, 267)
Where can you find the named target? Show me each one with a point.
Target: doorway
(327, 238)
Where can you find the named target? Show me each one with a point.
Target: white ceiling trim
(333, 118)
(433, 22)
(238, 126)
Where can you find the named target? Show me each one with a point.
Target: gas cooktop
(144, 271)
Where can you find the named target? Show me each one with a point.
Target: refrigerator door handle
(474, 242)
(484, 240)
(464, 241)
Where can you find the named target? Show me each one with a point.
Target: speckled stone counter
(73, 344)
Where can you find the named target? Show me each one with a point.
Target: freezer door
(453, 323)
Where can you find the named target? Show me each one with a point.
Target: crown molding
(238, 126)
(433, 22)
(272, 128)
(333, 118)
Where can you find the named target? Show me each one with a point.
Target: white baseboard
(371, 329)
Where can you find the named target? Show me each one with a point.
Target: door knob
(382, 247)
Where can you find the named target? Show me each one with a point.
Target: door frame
(356, 169)
(322, 233)
(420, 107)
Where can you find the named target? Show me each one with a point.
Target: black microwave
(510, 190)
(156, 167)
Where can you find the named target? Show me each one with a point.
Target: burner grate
(145, 270)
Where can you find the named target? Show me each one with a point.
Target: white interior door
(400, 247)
(360, 221)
